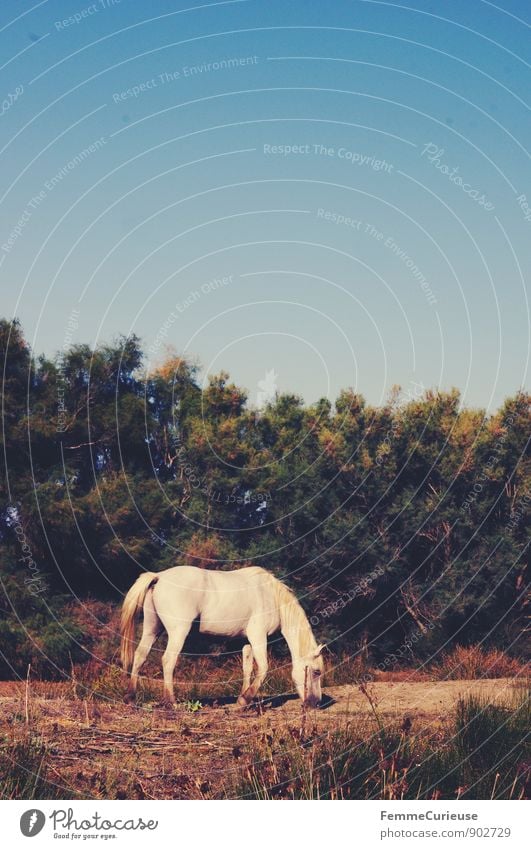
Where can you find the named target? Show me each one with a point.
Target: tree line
(394, 524)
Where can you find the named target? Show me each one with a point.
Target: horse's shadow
(327, 701)
(264, 703)
(218, 701)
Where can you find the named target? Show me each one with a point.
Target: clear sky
(333, 191)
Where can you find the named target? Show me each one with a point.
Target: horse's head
(307, 674)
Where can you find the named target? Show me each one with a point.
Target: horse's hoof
(167, 705)
(129, 697)
(243, 702)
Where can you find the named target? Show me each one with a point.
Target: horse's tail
(133, 601)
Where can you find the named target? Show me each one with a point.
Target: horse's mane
(293, 620)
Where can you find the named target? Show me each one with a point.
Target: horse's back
(193, 578)
(184, 577)
(225, 602)
(178, 594)
(232, 599)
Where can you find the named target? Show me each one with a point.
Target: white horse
(247, 602)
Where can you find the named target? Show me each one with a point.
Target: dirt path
(99, 749)
(430, 699)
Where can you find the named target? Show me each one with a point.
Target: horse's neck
(292, 640)
(296, 630)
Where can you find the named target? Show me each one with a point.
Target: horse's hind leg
(176, 638)
(151, 629)
(247, 662)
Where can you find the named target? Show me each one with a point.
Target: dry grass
(469, 662)
(481, 753)
(99, 748)
(389, 737)
(211, 677)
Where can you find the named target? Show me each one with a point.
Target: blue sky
(334, 191)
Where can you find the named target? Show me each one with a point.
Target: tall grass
(209, 677)
(482, 753)
(24, 771)
(466, 662)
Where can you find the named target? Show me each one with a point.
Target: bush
(35, 630)
(476, 662)
(46, 644)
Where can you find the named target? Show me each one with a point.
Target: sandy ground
(98, 749)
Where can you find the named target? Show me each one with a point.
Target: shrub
(476, 662)
(34, 629)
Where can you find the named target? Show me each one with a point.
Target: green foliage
(36, 632)
(192, 706)
(414, 512)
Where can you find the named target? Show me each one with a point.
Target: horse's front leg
(259, 648)
(247, 663)
(176, 640)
